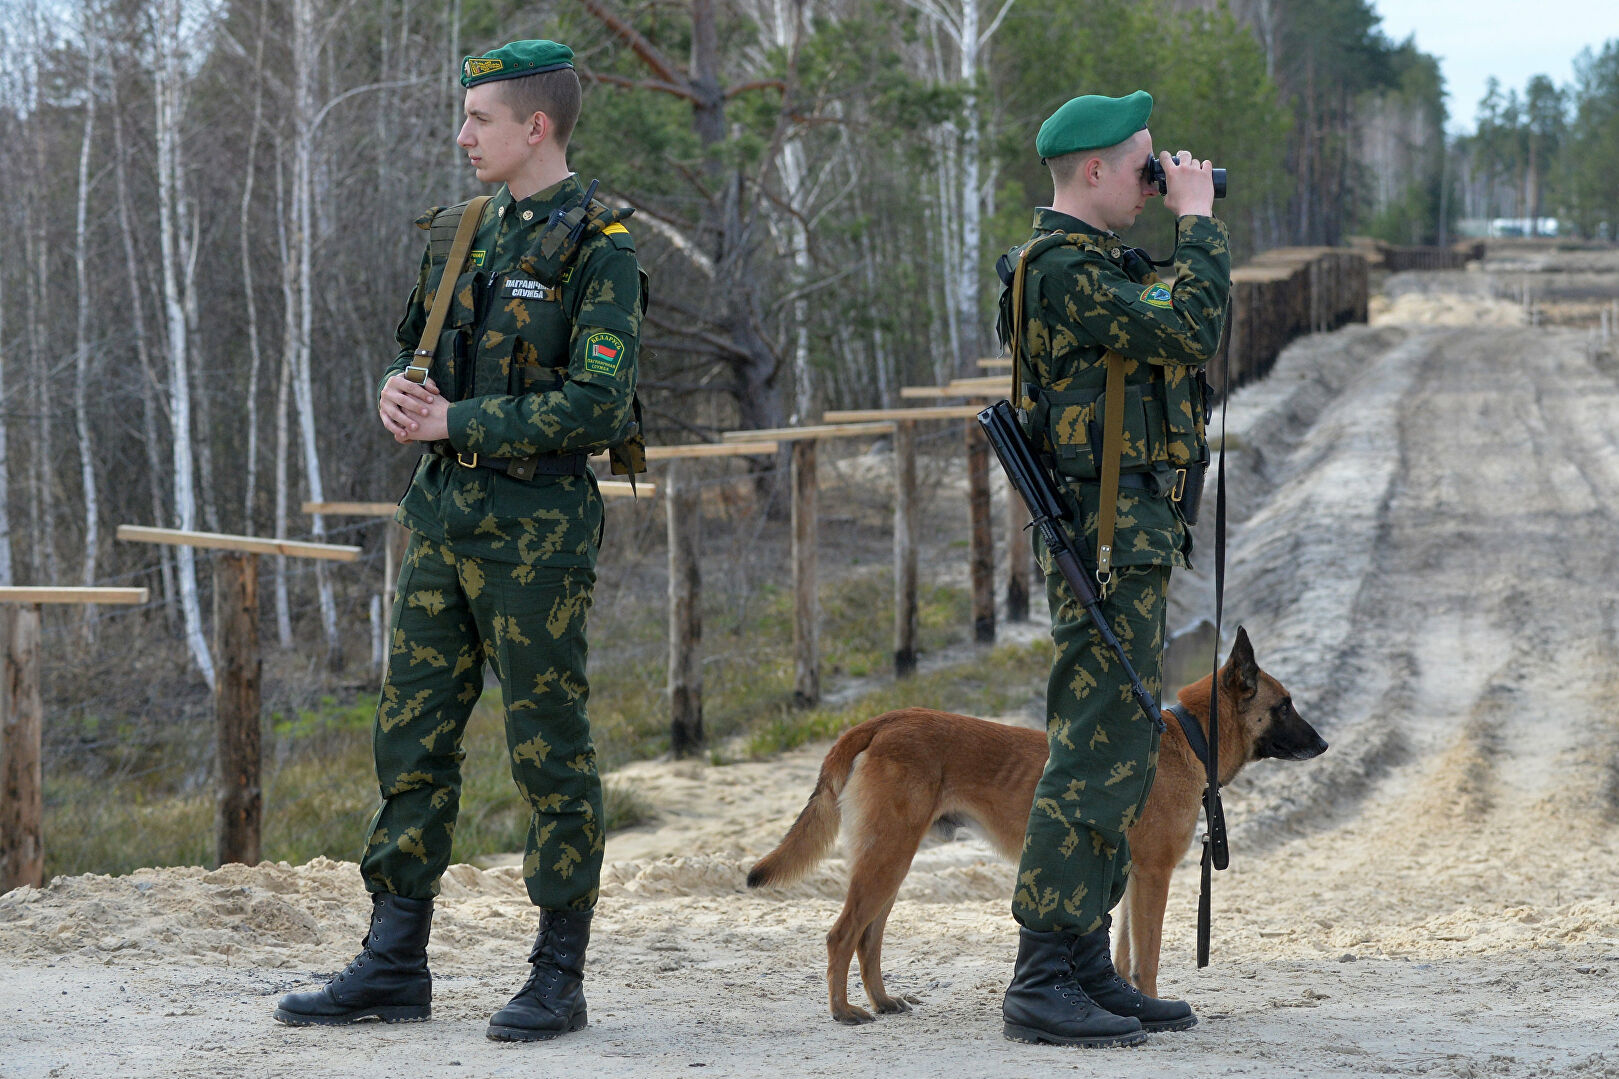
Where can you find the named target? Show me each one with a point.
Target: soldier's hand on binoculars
(1190, 184)
(404, 405)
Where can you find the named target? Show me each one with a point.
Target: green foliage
(1591, 158)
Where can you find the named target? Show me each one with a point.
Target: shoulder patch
(1157, 295)
(614, 229)
(603, 352)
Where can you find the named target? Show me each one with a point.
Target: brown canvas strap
(1112, 451)
(470, 218)
(1016, 335)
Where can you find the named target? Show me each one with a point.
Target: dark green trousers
(1104, 753)
(451, 613)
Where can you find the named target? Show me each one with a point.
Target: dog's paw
(891, 1005)
(852, 1016)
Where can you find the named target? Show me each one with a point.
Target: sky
(1509, 39)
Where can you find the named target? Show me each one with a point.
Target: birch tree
(169, 94)
(81, 334)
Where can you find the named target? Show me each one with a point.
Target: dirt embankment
(1423, 550)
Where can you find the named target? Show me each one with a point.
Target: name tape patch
(526, 288)
(603, 352)
(1157, 295)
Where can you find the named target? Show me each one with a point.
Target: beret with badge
(1092, 122)
(514, 60)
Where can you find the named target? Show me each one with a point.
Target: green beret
(515, 60)
(1092, 122)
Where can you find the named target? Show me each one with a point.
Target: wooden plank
(22, 788)
(239, 798)
(902, 415)
(249, 544)
(981, 546)
(685, 534)
(709, 449)
(18, 594)
(996, 363)
(905, 528)
(806, 603)
(351, 509)
(622, 489)
(923, 392)
(796, 434)
(1001, 383)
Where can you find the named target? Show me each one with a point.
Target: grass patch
(1003, 680)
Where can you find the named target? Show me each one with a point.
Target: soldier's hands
(404, 406)
(1190, 184)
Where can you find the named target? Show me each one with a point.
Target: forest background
(207, 238)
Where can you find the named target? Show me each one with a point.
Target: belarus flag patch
(603, 351)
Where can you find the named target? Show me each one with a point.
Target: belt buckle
(461, 459)
(1180, 485)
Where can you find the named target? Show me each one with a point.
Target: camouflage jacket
(529, 371)
(1085, 292)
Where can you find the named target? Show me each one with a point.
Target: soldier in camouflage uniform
(534, 369)
(1085, 292)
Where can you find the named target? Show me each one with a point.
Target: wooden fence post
(1018, 557)
(240, 797)
(22, 796)
(684, 511)
(982, 547)
(904, 549)
(806, 604)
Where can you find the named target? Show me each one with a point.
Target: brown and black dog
(903, 772)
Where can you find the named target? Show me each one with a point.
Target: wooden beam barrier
(22, 769)
(237, 699)
(905, 529)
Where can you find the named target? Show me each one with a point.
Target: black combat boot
(1093, 968)
(388, 980)
(1044, 1003)
(552, 1001)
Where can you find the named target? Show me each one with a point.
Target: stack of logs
(1286, 293)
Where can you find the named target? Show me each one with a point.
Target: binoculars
(1153, 173)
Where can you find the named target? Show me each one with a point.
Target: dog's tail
(816, 828)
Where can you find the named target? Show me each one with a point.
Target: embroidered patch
(603, 351)
(1157, 295)
(482, 65)
(526, 288)
(476, 257)
(614, 229)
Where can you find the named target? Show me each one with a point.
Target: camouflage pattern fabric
(1104, 753)
(529, 372)
(1086, 292)
(451, 613)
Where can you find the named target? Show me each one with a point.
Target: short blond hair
(555, 93)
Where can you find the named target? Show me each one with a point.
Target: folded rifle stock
(1039, 493)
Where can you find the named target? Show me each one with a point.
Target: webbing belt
(470, 217)
(1112, 452)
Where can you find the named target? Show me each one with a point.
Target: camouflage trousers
(451, 613)
(1104, 754)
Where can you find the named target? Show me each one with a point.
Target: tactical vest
(512, 365)
(1163, 412)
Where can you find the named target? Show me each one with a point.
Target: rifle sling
(470, 218)
(1112, 452)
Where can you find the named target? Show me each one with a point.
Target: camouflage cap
(514, 60)
(1092, 122)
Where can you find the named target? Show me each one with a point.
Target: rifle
(1039, 493)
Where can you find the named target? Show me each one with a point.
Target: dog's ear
(1241, 673)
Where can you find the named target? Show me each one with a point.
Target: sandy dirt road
(1424, 546)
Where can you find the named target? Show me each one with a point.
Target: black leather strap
(545, 464)
(1193, 731)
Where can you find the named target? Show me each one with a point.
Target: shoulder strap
(1112, 451)
(1014, 335)
(470, 217)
